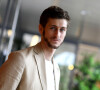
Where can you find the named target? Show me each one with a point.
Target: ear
(40, 29)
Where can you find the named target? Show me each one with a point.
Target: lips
(56, 40)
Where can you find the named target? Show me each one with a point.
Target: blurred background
(79, 55)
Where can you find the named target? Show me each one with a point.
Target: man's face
(55, 32)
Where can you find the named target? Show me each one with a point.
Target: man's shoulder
(27, 52)
(19, 57)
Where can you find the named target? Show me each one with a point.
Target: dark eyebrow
(56, 26)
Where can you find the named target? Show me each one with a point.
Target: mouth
(55, 40)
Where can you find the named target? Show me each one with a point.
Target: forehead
(57, 22)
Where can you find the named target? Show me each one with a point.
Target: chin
(54, 46)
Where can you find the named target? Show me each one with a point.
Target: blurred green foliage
(64, 80)
(88, 74)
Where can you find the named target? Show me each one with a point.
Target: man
(33, 68)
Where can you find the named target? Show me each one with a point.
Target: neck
(48, 52)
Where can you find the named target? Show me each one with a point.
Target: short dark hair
(53, 12)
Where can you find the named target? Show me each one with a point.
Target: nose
(57, 33)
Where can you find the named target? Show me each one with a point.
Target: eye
(62, 29)
(52, 28)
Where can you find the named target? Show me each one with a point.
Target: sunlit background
(79, 55)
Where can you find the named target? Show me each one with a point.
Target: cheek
(63, 36)
(49, 34)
